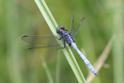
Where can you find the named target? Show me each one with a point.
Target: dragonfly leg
(60, 38)
(64, 43)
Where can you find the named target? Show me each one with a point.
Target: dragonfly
(68, 38)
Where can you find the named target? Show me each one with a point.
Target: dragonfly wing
(72, 24)
(29, 38)
(38, 41)
(79, 26)
(43, 46)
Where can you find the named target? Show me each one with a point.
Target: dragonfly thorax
(65, 35)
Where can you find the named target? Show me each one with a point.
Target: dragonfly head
(63, 28)
(60, 30)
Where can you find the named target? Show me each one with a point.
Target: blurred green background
(104, 18)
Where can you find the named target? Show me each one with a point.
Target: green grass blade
(47, 15)
(47, 72)
(12, 42)
(58, 68)
(53, 25)
(118, 54)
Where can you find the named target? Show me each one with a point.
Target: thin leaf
(53, 25)
(101, 60)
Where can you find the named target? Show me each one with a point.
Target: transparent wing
(72, 31)
(72, 24)
(79, 26)
(30, 38)
(38, 41)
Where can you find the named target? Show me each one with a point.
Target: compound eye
(62, 28)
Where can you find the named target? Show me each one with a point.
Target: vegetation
(100, 38)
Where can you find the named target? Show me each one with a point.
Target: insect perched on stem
(67, 37)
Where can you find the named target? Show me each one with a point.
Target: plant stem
(53, 25)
